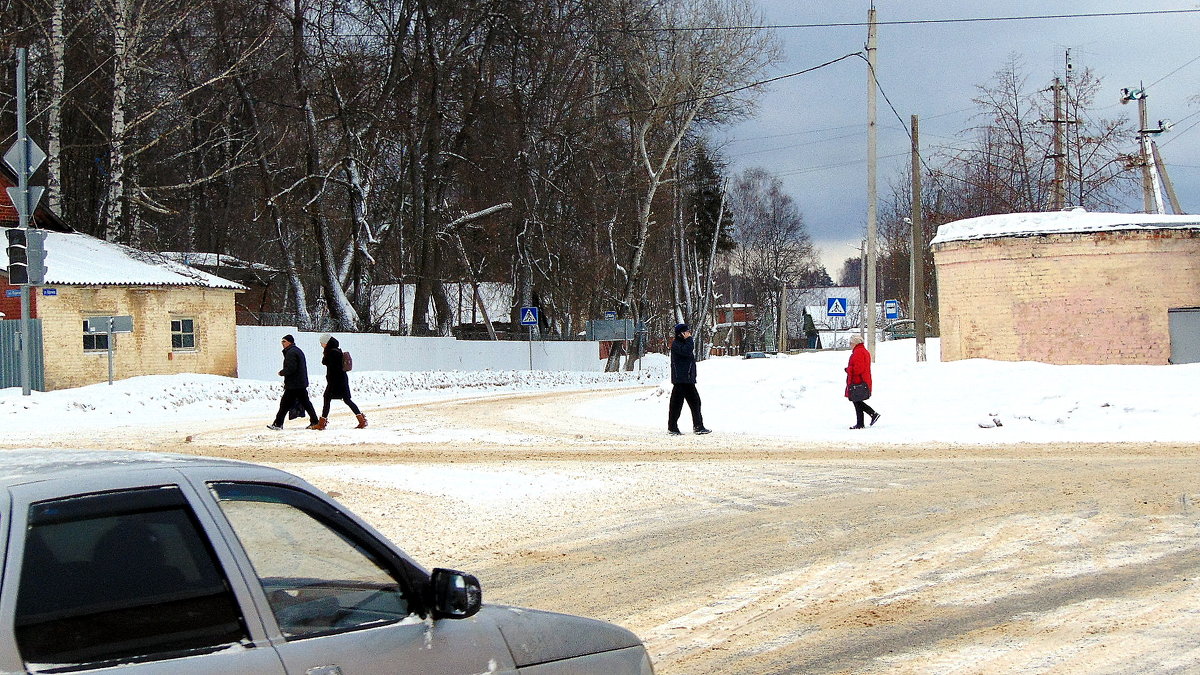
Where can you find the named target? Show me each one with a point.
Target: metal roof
(75, 259)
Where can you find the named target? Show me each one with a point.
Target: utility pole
(1154, 171)
(1059, 198)
(782, 334)
(1151, 199)
(917, 256)
(1162, 169)
(869, 261)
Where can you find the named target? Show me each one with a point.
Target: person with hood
(683, 381)
(295, 384)
(337, 382)
(858, 372)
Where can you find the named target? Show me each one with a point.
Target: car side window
(121, 577)
(317, 575)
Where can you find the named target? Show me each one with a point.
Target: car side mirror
(455, 595)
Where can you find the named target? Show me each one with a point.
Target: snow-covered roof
(75, 259)
(1057, 222)
(215, 260)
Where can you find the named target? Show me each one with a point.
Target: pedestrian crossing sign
(529, 316)
(835, 307)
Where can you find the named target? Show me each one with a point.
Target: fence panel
(260, 353)
(10, 356)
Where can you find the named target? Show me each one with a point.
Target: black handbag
(859, 391)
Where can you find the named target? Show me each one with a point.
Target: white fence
(260, 354)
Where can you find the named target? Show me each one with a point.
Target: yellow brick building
(1067, 287)
(183, 319)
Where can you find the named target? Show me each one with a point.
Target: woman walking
(337, 382)
(858, 372)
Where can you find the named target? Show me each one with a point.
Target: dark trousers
(861, 407)
(290, 396)
(679, 394)
(325, 408)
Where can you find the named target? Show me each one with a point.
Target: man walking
(295, 384)
(683, 379)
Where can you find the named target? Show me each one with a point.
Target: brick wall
(146, 351)
(1066, 298)
(11, 307)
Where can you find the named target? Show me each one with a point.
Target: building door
(1184, 326)
(10, 355)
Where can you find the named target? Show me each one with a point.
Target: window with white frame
(94, 342)
(183, 334)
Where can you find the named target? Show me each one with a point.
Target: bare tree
(670, 81)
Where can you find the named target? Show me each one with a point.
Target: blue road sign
(49, 291)
(12, 293)
(835, 307)
(610, 315)
(529, 316)
(891, 309)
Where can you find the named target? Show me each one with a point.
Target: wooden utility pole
(918, 246)
(869, 261)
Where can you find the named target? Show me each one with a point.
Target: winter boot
(362, 421)
(320, 425)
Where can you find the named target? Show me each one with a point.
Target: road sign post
(111, 325)
(529, 317)
(24, 157)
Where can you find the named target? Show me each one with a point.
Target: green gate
(10, 357)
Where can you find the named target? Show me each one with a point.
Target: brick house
(183, 318)
(1067, 287)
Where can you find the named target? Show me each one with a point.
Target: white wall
(260, 355)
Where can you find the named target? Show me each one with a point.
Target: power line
(1172, 72)
(727, 92)
(916, 22)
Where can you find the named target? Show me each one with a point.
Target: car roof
(35, 464)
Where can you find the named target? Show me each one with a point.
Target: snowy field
(799, 396)
(795, 396)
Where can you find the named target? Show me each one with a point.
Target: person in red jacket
(859, 370)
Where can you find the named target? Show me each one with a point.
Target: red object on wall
(11, 307)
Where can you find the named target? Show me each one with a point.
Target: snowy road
(736, 554)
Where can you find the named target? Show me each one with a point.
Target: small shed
(1065, 287)
(183, 318)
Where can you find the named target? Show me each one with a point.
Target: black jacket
(295, 369)
(337, 382)
(683, 361)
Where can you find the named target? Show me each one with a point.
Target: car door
(342, 601)
(124, 578)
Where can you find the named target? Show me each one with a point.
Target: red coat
(859, 368)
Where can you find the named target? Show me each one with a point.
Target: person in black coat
(683, 381)
(295, 384)
(337, 382)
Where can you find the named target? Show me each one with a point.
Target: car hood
(535, 636)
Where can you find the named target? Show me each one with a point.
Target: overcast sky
(810, 130)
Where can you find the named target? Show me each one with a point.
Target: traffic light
(26, 256)
(36, 252)
(18, 256)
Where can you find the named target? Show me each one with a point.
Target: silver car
(161, 564)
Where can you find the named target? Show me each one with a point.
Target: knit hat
(855, 340)
(324, 338)
(680, 329)
(289, 338)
